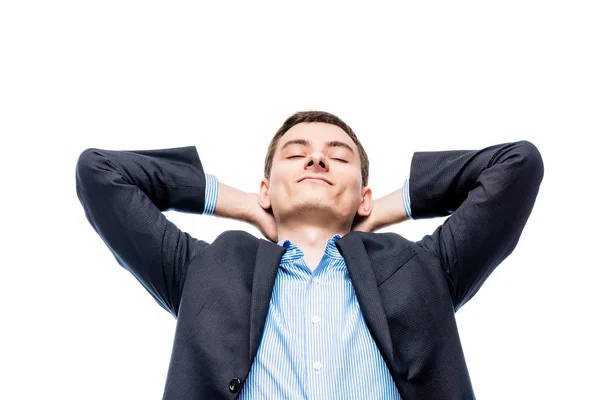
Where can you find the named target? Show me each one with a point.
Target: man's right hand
(243, 206)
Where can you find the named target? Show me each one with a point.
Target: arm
(123, 194)
(489, 195)
(243, 206)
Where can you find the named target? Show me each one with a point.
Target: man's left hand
(388, 210)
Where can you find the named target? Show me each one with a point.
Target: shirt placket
(315, 333)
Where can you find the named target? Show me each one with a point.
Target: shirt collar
(293, 251)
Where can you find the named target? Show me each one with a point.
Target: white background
(127, 75)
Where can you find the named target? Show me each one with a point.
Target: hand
(369, 223)
(263, 219)
(243, 206)
(387, 210)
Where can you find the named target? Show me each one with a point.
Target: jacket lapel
(267, 261)
(361, 273)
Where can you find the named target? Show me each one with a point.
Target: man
(332, 309)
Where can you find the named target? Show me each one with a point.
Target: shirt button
(317, 366)
(316, 319)
(316, 280)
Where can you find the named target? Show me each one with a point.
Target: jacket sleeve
(489, 195)
(123, 194)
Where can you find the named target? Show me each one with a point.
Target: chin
(316, 205)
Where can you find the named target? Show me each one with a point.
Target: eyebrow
(304, 142)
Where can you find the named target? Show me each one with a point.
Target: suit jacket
(219, 292)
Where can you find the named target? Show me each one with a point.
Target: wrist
(234, 204)
(390, 209)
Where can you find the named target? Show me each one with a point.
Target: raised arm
(489, 195)
(123, 194)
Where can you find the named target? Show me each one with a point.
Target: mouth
(314, 179)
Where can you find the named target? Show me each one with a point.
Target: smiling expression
(316, 167)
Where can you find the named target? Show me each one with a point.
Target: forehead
(318, 133)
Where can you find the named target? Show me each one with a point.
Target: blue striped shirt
(316, 344)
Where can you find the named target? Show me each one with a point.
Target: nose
(316, 160)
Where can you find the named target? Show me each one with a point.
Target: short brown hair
(316, 116)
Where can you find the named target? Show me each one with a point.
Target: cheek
(352, 194)
(279, 189)
(283, 183)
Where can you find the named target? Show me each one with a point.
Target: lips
(315, 177)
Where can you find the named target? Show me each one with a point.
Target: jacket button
(234, 385)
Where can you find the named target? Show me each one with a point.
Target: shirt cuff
(406, 195)
(210, 194)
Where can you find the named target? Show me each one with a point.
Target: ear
(263, 196)
(366, 205)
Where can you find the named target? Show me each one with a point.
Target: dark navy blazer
(220, 292)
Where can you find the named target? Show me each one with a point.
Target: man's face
(316, 171)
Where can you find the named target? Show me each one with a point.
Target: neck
(311, 238)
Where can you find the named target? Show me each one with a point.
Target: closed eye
(337, 159)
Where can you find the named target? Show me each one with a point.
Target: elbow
(90, 158)
(86, 158)
(87, 167)
(532, 159)
(83, 163)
